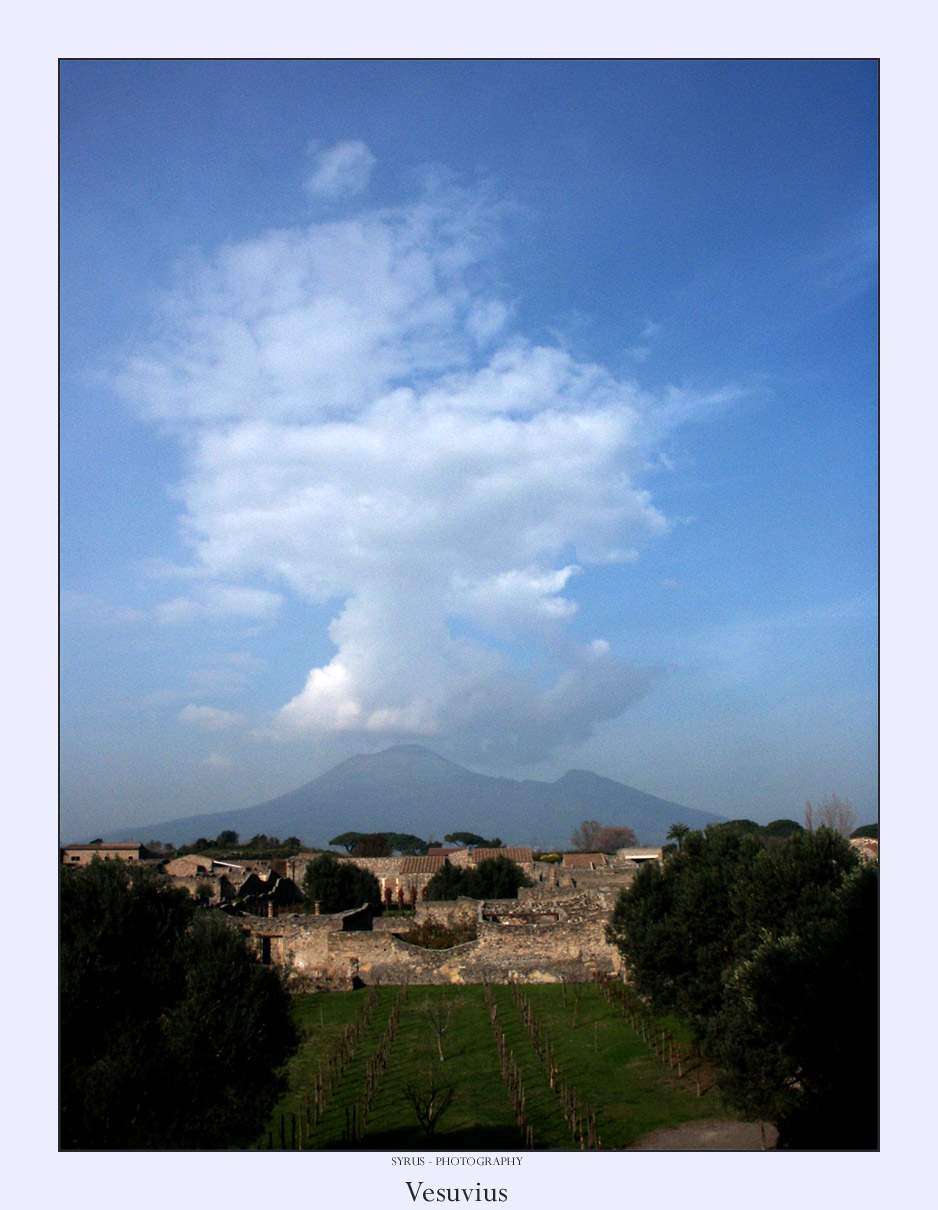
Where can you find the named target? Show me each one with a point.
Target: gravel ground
(709, 1136)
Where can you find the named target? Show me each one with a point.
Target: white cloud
(362, 425)
(340, 171)
(217, 601)
(210, 718)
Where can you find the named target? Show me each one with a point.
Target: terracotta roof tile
(420, 865)
(478, 855)
(583, 861)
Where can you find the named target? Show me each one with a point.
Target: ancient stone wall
(533, 940)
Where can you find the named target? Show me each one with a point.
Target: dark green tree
(765, 951)
(338, 886)
(497, 878)
(677, 832)
(137, 961)
(406, 843)
(347, 840)
(782, 828)
(226, 1036)
(742, 827)
(449, 882)
(373, 844)
(470, 839)
(791, 886)
(796, 1039)
(263, 841)
(676, 925)
(494, 878)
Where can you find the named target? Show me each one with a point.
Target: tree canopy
(373, 844)
(594, 837)
(472, 840)
(494, 878)
(339, 886)
(407, 844)
(347, 840)
(171, 1032)
(395, 842)
(781, 827)
(761, 949)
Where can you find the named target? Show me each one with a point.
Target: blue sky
(526, 410)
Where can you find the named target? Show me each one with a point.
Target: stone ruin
(553, 932)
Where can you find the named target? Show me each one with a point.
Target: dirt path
(708, 1136)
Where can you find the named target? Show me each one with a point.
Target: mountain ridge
(409, 788)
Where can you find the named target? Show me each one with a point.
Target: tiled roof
(420, 865)
(478, 855)
(583, 861)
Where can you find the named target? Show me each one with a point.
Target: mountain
(407, 788)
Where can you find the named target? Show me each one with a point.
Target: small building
(640, 853)
(585, 861)
(84, 854)
(190, 866)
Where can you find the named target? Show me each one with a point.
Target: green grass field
(617, 1077)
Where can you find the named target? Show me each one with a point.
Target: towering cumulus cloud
(365, 427)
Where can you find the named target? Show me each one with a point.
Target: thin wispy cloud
(340, 171)
(216, 602)
(209, 717)
(220, 762)
(847, 265)
(364, 426)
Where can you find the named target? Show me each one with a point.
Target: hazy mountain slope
(410, 789)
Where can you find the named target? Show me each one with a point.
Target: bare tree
(834, 813)
(592, 837)
(429, 1102)
(437, 1014)
(609, 839)
(585, 834)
